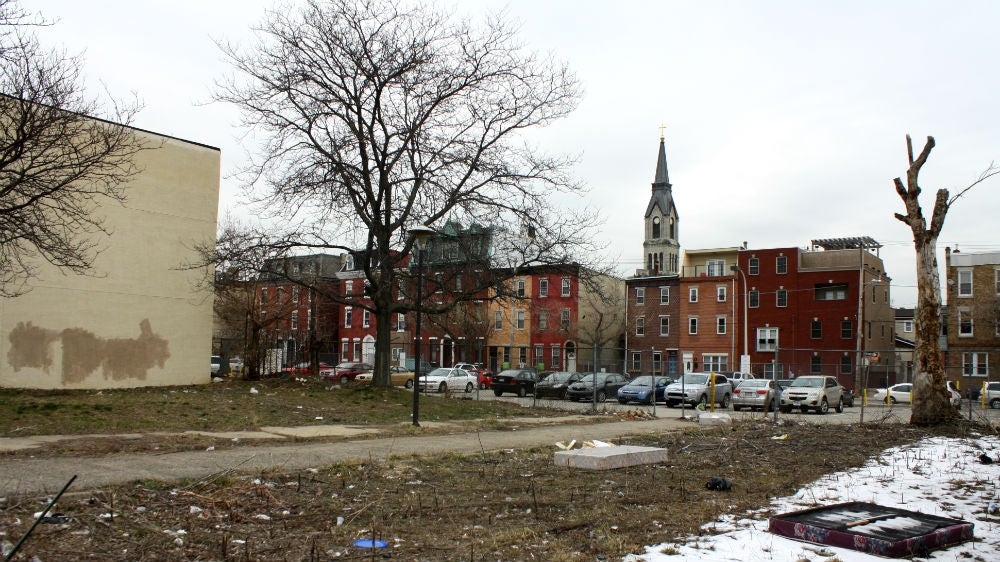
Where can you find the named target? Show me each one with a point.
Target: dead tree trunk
(931, 403)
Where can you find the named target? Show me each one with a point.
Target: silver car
(754, 394)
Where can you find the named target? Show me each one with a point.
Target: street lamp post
(746, 328)
(420, 235)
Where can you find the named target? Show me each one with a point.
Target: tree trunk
(931, 404)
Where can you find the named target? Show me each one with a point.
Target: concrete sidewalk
(48, 475)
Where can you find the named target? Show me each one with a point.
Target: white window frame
(543, 319)
(692, 294)
(366, 318)
(715, 268)
(753, 299)
(965, 313)
(519, 315)
(640, 295)
(753, 266)
(996, 280)
(543, 287)
(400, 322)
(349, 288)
(720, 325)
(566, 287)
(294, 323)
(781, 298)
(348, 316)
(657, 363)
(564, 318)
(498, 320)
(720, 293)
(640, 326)
(519, 284)
(692, 325)
(967, 273)
(781, 265)
(664, 295)
(556, 356)
(972, 366)
(714, 362)
(636, 365)
(907, 326)
(769, 337)
(665, 325)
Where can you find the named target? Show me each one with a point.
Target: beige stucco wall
(138, 319)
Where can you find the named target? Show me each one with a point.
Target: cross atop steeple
(661, 131)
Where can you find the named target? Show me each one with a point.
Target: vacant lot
(496, 505)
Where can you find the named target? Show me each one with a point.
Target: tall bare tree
(930, 395)
(377, 117)
(61, 155)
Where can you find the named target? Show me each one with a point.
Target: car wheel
(469, 387)
(482, 386)
(497, 392)
(725, 401)
(522, 392)
(601, 396)
(443, 388)
(344, 379)
(824, 407)
(671, 404)
(408, 383)
(840, 406)
(703, 401)
(995, 403)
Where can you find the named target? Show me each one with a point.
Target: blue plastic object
(368, 543)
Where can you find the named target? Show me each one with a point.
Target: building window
(263, 295)
(996, 280)
(348, 288)
(357, 350)
(846, 364)
(279, 296)
(401, 289)
(366, 318)
(846, 329)
(295, 320)
(720, 325)
(295, 294)
(345, 347)
(720, 293)
(543, 287)
(565, 286)
(692, 324)
(907, 326)
(497, 320)
(539, 355)
(693, 294)
(636, 362)
(782, 298)
(543, 319)
(716, 268)
(769, 370)
(767, 339)
(754, 266)
(564, 318)
(520, 319)
(816, 329)
(656, 227)
(975, 364)
(348, 313)
(715, 363)
(640, 326)
(664, 295)
(753, 298)
(664, 325)
(438, 282)
(309, 318)
(828, 292)
(520, 287)
(556, 357)
(458, 282)
(781, 265)
(400, 322)
(396, 351)
(965, 282)
(640, 295)
(657, 367)
(816, 365)
(964, 322)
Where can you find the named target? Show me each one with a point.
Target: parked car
(736, 377)
(448, 379)
(754, 394)
(641, 389)
(216, 364)
(607, 384)
(425, 367)
(896, 393)
(345, 372)
(304, 368)
(401, 376)
(955, 398)
(848, 398)
(695, 388)
(555, 385)
(519, 381)
(813, 392)
(483, 377)
(992, 398)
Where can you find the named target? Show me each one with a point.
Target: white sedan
(448, 378)
(896, 393)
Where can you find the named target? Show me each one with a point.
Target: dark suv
(519, 381)
(607, 385)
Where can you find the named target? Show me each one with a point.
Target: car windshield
(807, 382)
(644, 380)
(558, 377)
(440, 372)
(509, 373)
(754, 383)
(589, 377)
(694, 378)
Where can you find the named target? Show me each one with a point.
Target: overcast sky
(785, 120)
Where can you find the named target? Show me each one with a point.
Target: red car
(344, 372)
(303, 368)
(484, 377)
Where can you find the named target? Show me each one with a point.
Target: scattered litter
(218, 379)
(985, 459)
(595, 443)
(567, 446)
(195, 509)
(340, 521)
(318, 418)
(368, 543)
(780, 437)
(235, 439)
(212, 448)
(55, 519)
(719, 484)
(253, 390)
(262, 517)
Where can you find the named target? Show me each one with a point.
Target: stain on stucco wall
(83, 352)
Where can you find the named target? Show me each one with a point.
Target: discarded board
(712, 418)
(871, 528)
(606, 458)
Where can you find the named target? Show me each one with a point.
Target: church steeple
(661, 248)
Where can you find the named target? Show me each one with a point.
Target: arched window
(656, 227)
(672, 235)
(649, 263)
(656, 262)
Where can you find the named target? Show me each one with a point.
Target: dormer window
(672, 235)
(349, 263)
(656, 227)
